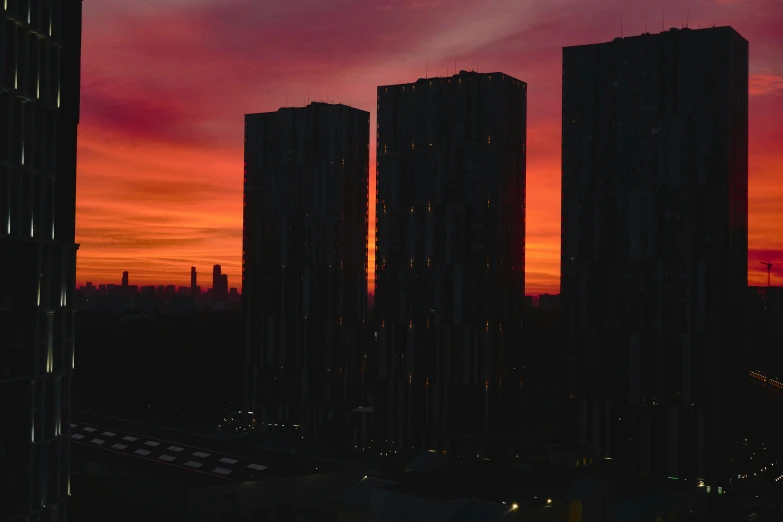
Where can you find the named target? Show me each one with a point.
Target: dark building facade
(304, 275)
(217, 282)
(654, 247)
(194, 290)
(40, 58)
(450, 262)
(125, 279)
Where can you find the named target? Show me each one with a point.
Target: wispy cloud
(761, 84)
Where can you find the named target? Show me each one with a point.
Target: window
(5, 203)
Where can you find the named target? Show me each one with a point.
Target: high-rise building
(304, 275)
(224, 286)
(450, 261)
(217, 282)
(125, 279)
(654, 247)
(39, 116)
(193, 281)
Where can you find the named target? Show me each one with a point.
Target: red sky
(165, 86)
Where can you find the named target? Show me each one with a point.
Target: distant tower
(216, 282)
(125, 279)
(193, 281)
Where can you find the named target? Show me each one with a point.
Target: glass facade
(39, 107)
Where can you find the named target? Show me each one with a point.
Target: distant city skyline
(160, 176)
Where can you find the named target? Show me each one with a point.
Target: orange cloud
(761, 84)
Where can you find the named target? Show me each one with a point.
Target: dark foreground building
(450, 259)
(39, 114)
(304, 262)
(654, 247)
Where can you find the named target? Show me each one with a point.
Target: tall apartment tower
(193, 281)
(217, 282)
(39, 115)
(125, 280)
(450, 260)
(654, 247)
(304, 274)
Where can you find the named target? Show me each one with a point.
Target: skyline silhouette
(160, 177)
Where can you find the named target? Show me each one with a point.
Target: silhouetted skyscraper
(217, 282)
(304, 277)
(39, 114)
(125, 279)
(450, 262)
(654, 247)
(193, 281)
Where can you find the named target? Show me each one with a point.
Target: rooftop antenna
(286, 98)
(663, 15)
(769, 269)
(455, 65)
(687, 17)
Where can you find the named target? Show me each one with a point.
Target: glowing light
(549, 501)
(514, 506)
(58, 96)
(38, 87)
(22, 153)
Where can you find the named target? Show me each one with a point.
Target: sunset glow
(166, 86)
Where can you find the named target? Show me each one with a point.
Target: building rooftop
(310, 104)
(185, 461)
(461, 74)
(666, 32)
